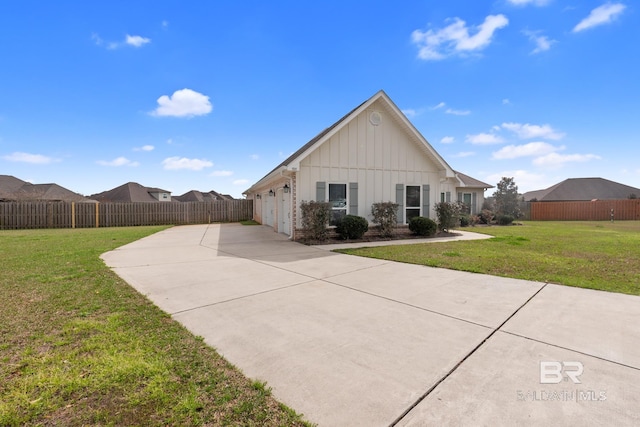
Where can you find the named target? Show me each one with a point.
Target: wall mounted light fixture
(286, 188)
(271, 193)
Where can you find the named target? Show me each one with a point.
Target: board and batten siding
(377, 158)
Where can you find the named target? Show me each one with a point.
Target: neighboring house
(373, 154)
(133, 192)
(576, 189)
(14, 189)
(197, 196)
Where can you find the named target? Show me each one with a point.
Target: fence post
(73, 214)
(97, 215)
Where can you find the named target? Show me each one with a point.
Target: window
(338, 202)
(466, 199)
(442, 198)
(412, 203)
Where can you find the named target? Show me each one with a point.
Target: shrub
(505, 219)
(475, 220)
(385, 216)
(352, 227)
(448, 214)
(486, 216)
(465, 220)
(423, 226)
(315, 218)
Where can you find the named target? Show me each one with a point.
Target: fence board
(597, 210)
(24, 215)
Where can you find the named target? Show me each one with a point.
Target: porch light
(271, 193)
(286, 188)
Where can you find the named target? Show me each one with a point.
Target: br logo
(555, 372)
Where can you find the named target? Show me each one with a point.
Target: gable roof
(467, 181)
(583, 189)
(129, 192)
(292, 162)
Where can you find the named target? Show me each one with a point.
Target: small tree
(506, 198)
(385, 216)
(315, 219)
(448, 214)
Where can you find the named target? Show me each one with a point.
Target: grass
(78, 346)
(594, 255)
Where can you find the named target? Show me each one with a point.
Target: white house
(373, 154)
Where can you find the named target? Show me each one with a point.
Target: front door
(284, 212)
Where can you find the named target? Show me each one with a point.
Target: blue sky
(213, 95)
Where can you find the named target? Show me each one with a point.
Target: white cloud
(484, 139)
(555, 160)
(526, 2)
(543, 43)
(506, 101)
(35, 159)
(526, 150)
(440, 105)
(447, 140)
(96, 39)
(241, 182)
(119, 161)
(457, 112)
(136, 41)
(165, 24)
(221, 173)
(465, 154)
(528, 131)
(254, 157)
(177, 163)
(438, 44)
(599, 16)
(183, 103)
(145, 148)
(409, 112)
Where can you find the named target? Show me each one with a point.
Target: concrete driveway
(351, 341)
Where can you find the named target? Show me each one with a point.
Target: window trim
(406, 204)
(346, 204)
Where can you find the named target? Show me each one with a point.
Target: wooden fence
(598, 210)
(23, 215)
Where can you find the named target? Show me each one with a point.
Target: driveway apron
(356, 341)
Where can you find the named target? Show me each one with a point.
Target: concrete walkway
(356, 341)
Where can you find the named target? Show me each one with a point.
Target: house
(14, 189)
(372, 154)
(133, 192)
(576, 189)
(197, 196)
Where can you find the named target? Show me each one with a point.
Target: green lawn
(595, 255)
(78, 346)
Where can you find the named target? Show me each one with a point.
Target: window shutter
(353, 198)
(400, 202)
(474, 203)
(426, 190)
(321, 193)
(448, 196)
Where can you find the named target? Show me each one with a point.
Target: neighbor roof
(307, 148)
(129, 192)
(583, 189)
(12, 188)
